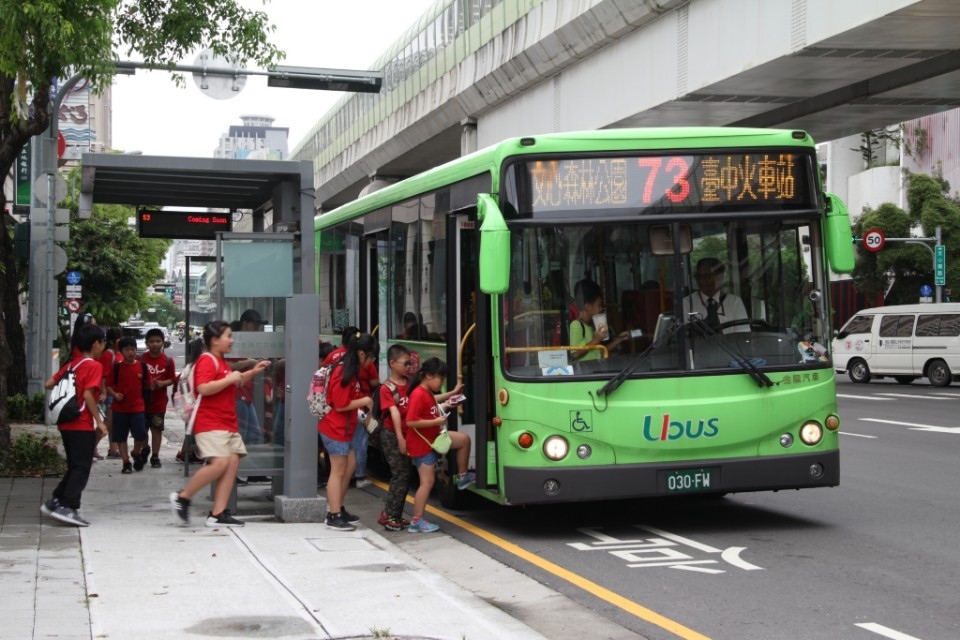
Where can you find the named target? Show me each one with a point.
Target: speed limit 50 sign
(874, 240)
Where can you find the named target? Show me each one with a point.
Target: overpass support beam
(468, 136)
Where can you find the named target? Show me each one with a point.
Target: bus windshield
(663, 298)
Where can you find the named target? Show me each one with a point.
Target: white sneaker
(363, 482)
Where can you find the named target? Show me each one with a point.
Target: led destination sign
(678, 183)
(188, 225)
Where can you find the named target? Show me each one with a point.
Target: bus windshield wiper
(705, 331)
(614, 382)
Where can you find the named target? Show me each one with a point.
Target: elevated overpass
(472, 72)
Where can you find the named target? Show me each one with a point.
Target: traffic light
(169, 293)
(21, 241)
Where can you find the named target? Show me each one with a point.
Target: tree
(164, 311)
(875, 139)
(42, 40)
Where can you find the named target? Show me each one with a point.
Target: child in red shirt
(425, 419)
(337, 427)
(79, 435)
(393, 443)
(162, 373)
(126, 384)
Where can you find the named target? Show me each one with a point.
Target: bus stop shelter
(280, 192)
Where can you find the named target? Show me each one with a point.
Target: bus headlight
(584, 451)
(811, 432)
(832, 422)
(556, 447)
(786, 440)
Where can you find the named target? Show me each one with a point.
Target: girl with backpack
(215, 426)
(336, 428)
(425, 420)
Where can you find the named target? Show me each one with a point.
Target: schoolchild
(393, 443)
(425, 419)
(194, 349)
(107, 358)
(125, 384)
(162, 372)
(78, 435)
(337, 427)
(215, 427)
(323, 460)
(369, 381)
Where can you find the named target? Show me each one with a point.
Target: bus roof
(488, 159)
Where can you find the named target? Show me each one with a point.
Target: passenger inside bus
(717, 308)
(583, 331)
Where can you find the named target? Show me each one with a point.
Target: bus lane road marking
(886, 632)
(575, 579)
(914, 426)
(912, 396)
(662, 551)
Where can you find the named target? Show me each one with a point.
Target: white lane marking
(857, 435)
(679, 539)
(914, 426)
(945, 394)
(732, 555)
(852, 397)
(886, 632)
(912, 396)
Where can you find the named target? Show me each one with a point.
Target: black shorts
(126, 425)
(155, 420)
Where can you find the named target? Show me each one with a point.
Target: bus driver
(715, 307)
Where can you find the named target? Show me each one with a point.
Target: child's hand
(118, 396)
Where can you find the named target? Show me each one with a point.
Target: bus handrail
(463, 343)
(566, 347)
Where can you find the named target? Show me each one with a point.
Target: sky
(154, 116)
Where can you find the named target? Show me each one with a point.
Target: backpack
(377, 411)
(185, 398)
(63, 405)
(319, 390)
(144, 386)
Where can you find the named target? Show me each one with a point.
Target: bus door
(466, 337)
(372, 286)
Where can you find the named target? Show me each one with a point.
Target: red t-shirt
(421, 406)
(386, 401)
(159, 368)
(129, 381)
(339, 425)
(367, 373)
(88, 374)
(217, 412)
(107, 358)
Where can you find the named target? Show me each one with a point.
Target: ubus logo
(668, 429)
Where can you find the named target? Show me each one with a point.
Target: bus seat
(642, 307)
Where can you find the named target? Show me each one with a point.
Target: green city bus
(484, 262)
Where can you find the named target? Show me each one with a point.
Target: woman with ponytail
(425, 419)
(337, 427)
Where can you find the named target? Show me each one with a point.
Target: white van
(905, 341)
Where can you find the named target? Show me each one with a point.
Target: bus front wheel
(858, 371)
(939, 374)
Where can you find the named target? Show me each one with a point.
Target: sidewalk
(133, 573)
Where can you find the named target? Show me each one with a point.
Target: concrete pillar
(468, 136)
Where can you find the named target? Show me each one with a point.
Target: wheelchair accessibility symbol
(580, 421)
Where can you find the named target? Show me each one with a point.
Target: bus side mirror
(494, 246)
(837, 231)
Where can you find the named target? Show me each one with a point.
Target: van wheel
(939, 374)
(904, 379)
(858, 371)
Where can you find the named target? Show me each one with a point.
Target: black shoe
(181, 508)
(241, 482)
(145, 454)
(155, 463)
(137, 463)
(223, 520)
(349, 517)
(258, 479)
(69, 516)
(337, 521)
(48, 507)
(128, 468)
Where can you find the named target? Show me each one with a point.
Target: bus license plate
(687, 480)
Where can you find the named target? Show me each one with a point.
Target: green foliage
(24, 409)
(164, 311)
(872, 141)
(32, 456)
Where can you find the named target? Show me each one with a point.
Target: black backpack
(377, 412)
